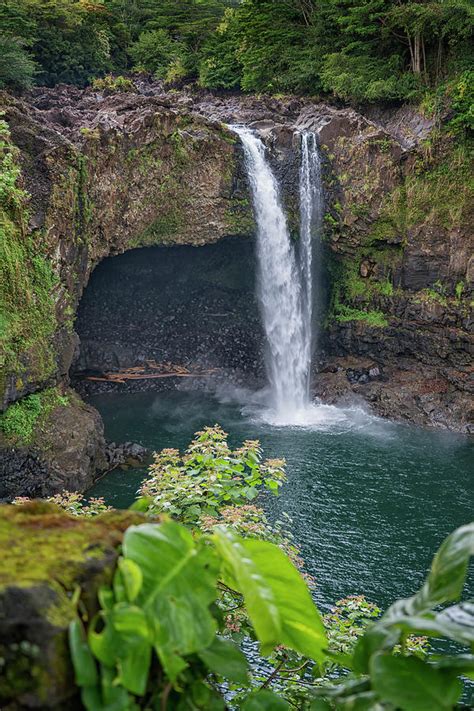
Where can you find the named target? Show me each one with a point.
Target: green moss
(432, 295)
(41, 543)
(439, 187)
(382, 144)
(239, 217)
(22, 418)
(162, 230)
(27, 279)
(385, 288)
(355, 287)
(19, 669)
(376, 319)
(354, 298)
(83, 204)
(459, 289)
(180, 146)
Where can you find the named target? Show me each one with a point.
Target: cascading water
(285, 274)
(311, 213)
(280, 289)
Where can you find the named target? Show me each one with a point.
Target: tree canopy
(357, 50)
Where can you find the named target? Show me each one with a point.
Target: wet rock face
(66, 453)
(401, 389)
(190, 307)
(23, 474)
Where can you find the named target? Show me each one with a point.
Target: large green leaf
(84, 665)
(375, 639)
(348, 687)
(179, 584)
(412, 685)
(133, 646)
(320, 705)
(225, 658)
(461, 663)
(458, 620)
(103, 644)
(414, 615)
(132, 577)
(277, 599)
(124, 644)
(114, 697)
(264, 701)
(134, 667)
(455, 622)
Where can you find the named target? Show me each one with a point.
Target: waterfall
(288, 287)
(284, 285)
(311, 214)
(285, 273)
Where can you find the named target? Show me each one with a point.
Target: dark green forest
(355, 51)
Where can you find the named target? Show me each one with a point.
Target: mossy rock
(48, 555)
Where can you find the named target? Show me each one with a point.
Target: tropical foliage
(357, 50)
(187, 600)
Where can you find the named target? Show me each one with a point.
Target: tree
(17, 68)
(155, 52)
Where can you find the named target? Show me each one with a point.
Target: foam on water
(314, 416)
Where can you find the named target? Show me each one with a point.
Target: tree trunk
(417, 55)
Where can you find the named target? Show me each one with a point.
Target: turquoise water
(370, 500)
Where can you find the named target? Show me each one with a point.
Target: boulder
(51, 567)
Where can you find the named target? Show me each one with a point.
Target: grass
(376, 319)
(21, 420)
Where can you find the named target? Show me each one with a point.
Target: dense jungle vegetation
(375, 50)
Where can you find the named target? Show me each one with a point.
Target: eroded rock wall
(103, 174)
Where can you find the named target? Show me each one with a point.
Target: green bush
(169, 629)
(462, 103)
(219, 65)
(156, 52)
(366, 78)
(111, 84)
(208, 477)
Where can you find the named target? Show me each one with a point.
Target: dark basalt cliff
(109, 173)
